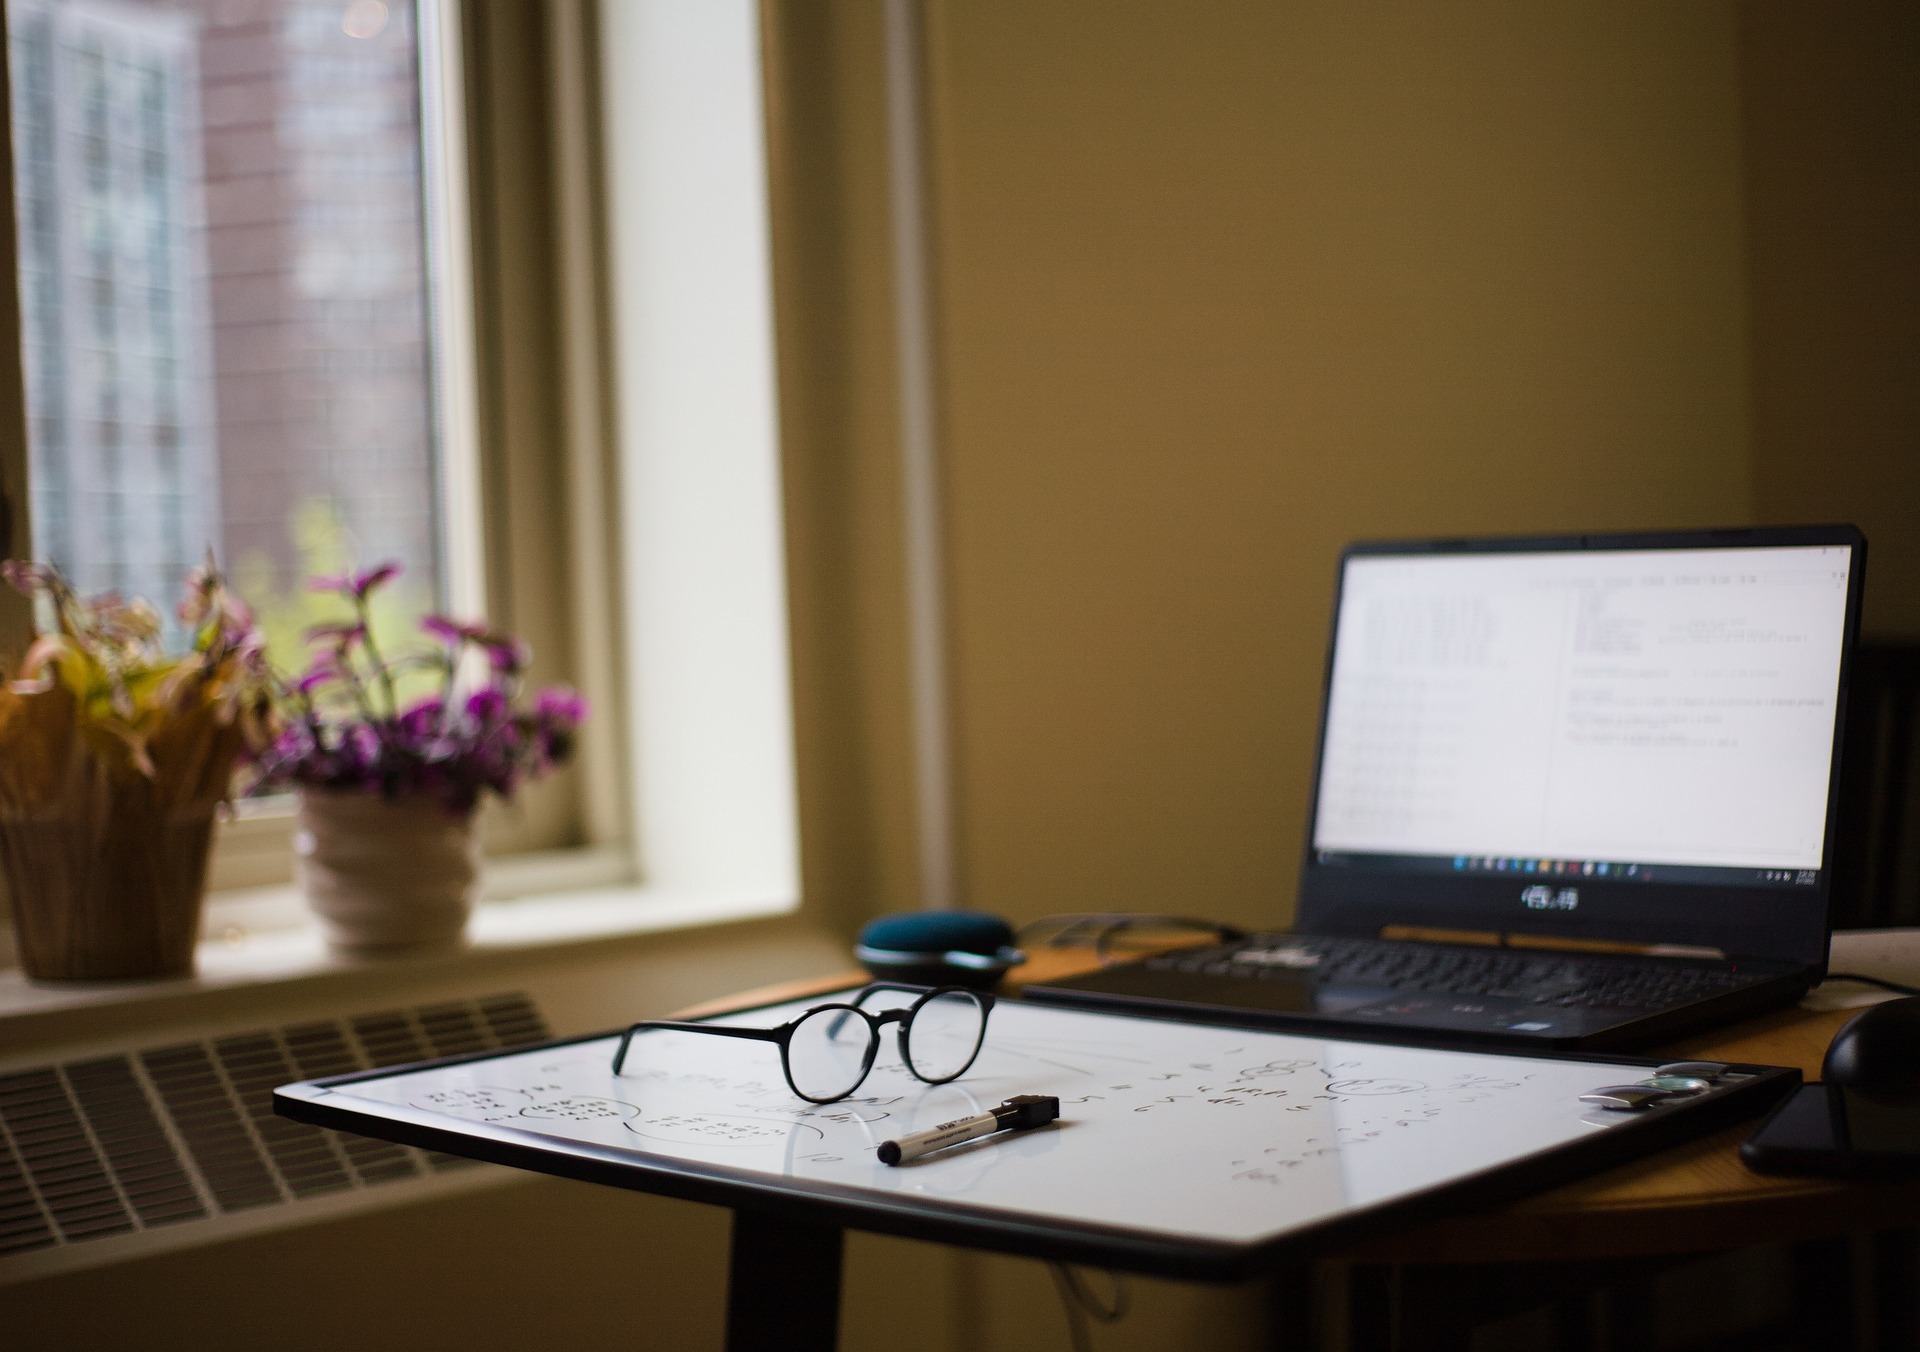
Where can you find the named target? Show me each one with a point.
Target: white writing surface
(1178, 1129)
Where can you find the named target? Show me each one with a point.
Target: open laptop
(1570, 792)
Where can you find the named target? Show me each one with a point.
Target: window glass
(223, 289)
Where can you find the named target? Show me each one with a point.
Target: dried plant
(100, 696)
(113, 757)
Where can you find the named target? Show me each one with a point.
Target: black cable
(1079, 1338)
(1879, 981)
(1079, 1303)
(1096, 929)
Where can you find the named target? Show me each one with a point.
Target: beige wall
(1225, 285)
(550, 1264)
(832, 302)
(1832, 140)
(1228, 284)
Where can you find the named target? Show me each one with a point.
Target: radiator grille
(186, 1131)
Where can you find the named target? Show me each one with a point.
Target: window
(224, 295)
(398, 293)
(285, 292)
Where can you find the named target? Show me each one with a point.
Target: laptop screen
(1627, 716)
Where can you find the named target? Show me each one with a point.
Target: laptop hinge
(1428, 934)
(1489, 939)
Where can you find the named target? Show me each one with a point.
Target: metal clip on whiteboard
(1676, 1080)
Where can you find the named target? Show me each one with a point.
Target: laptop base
(1297, 999)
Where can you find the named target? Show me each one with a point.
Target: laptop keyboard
(1542, 979)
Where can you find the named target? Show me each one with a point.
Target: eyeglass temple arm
(720, 1029)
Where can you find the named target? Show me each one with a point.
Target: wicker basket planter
(105, 866)
(112, 896)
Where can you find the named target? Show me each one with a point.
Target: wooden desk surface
(1695, 1198)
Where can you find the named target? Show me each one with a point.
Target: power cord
(1879, 981)
(1080, 1304)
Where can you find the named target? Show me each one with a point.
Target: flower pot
(386, 875)
(107, 889)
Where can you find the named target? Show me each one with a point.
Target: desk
(1694, 1199)
(1686, 1200)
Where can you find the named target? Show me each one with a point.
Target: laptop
(1569, 792)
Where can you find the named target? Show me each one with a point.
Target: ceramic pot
(386, 875)
(110, 893)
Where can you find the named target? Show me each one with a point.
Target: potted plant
(389, 782)
(113, 758)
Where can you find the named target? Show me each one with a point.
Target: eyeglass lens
(829, 1053)
(945, 1035)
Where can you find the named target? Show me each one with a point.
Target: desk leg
(1373, 1307)
(1823, 1313)
(1896, 1287)
(783, 1285)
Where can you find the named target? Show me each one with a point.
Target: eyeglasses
(827, 1052)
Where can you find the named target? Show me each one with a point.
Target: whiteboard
(1176, 1130)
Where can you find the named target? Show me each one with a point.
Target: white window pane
(224, 294)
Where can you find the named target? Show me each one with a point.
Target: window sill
(263, 937)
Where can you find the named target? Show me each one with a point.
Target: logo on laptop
(1541, 898)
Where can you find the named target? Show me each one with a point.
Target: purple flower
(560, 704)
(454, 746)
(505, 653)
(507, 656)
(356, 585)
(343, 634)
(322, 670)
(451, 631)
(29, 578)
(486, 705)
(423, 719)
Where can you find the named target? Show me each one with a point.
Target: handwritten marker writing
(1016, 1114)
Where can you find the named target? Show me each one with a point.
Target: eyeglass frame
(783, 1035)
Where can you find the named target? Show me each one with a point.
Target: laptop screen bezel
(1784, 924)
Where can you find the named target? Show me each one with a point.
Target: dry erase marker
(1016, 1114)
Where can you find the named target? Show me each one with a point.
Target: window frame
(527, 435)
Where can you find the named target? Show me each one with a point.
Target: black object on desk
(939, 948)
(1878, 1052)
(1864, 1120)
(1829, 1130)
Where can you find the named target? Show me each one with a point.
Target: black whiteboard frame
(946, 1221)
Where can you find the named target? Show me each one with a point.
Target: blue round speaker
(939, 948)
